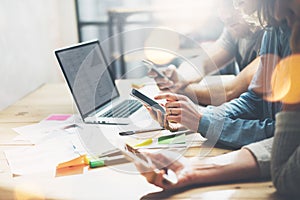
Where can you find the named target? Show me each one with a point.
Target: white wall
(29, 32)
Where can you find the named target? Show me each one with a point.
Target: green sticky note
(172, 139)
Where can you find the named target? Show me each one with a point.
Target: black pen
(106, 123)
(139, 131)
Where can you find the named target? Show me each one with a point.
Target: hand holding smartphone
(152, 66)
(153, 104)
(139, 158)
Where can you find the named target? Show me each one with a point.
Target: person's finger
(180, 85)
(160, 80)
(170, 126)
(174, 118)
(164, 83)
(168, 97)
(173, 126)
(160, 118)
(174, 104)
(166, 86)
(174, 111)
(166, 123)
(155, 178)
(152, 74)
(158, 179)
(152, 112)
(147, 107)
(150, 176)
(170, 71)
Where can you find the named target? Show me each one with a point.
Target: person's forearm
(217, 57)
(237, 165)
(215, 93)
(210, 61)
(236, 121)
(191, 72)
(206, 95)
(219, 92)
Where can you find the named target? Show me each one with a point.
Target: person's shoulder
(282, 30)
(228, 36)
(273, 33)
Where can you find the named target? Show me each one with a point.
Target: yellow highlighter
(144, 143)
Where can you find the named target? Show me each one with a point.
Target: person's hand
(161, 119)
(180, 109)
(189, 171)
(173, 83)
(172, 161)
(236, 165)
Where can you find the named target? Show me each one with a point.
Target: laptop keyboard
(123, 109)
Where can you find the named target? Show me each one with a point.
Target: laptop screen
(87, 74)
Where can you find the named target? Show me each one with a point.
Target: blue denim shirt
(248, 118)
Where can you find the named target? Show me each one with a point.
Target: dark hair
(266, 14)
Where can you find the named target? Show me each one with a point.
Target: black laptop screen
(86, 71)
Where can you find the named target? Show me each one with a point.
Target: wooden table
(101, 183)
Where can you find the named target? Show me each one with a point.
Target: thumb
(170, 71)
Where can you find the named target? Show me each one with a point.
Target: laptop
(91, 83)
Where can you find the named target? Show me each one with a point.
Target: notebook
(91, 83)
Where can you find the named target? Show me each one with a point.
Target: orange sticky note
(81, 160)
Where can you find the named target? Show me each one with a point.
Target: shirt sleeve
(262, 153)
(285, 162)
(227, 42)
(275, 41)
(237, 123)
(270, 43)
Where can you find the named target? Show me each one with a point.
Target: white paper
(53, 145)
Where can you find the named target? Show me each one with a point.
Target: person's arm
(234, 124)
(218, 58)
(285, 162)
(220, 53)
(222, 92)
(239, 122)
(233, 166)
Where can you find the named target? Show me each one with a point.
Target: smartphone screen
(153, 104)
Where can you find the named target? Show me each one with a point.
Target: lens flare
(285, 81)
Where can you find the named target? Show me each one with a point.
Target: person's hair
(266, 13)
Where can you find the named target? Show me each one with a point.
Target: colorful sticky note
(144, 143)
(58, 117)
(160, 141)
(172, 139)
(81, 160)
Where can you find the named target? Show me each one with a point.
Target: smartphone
(153, 67)
(135, 156)
(153, 104)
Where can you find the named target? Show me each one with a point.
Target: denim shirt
(248, 118)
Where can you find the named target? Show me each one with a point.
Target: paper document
(55, 140)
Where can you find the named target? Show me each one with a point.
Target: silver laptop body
(91, 83)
